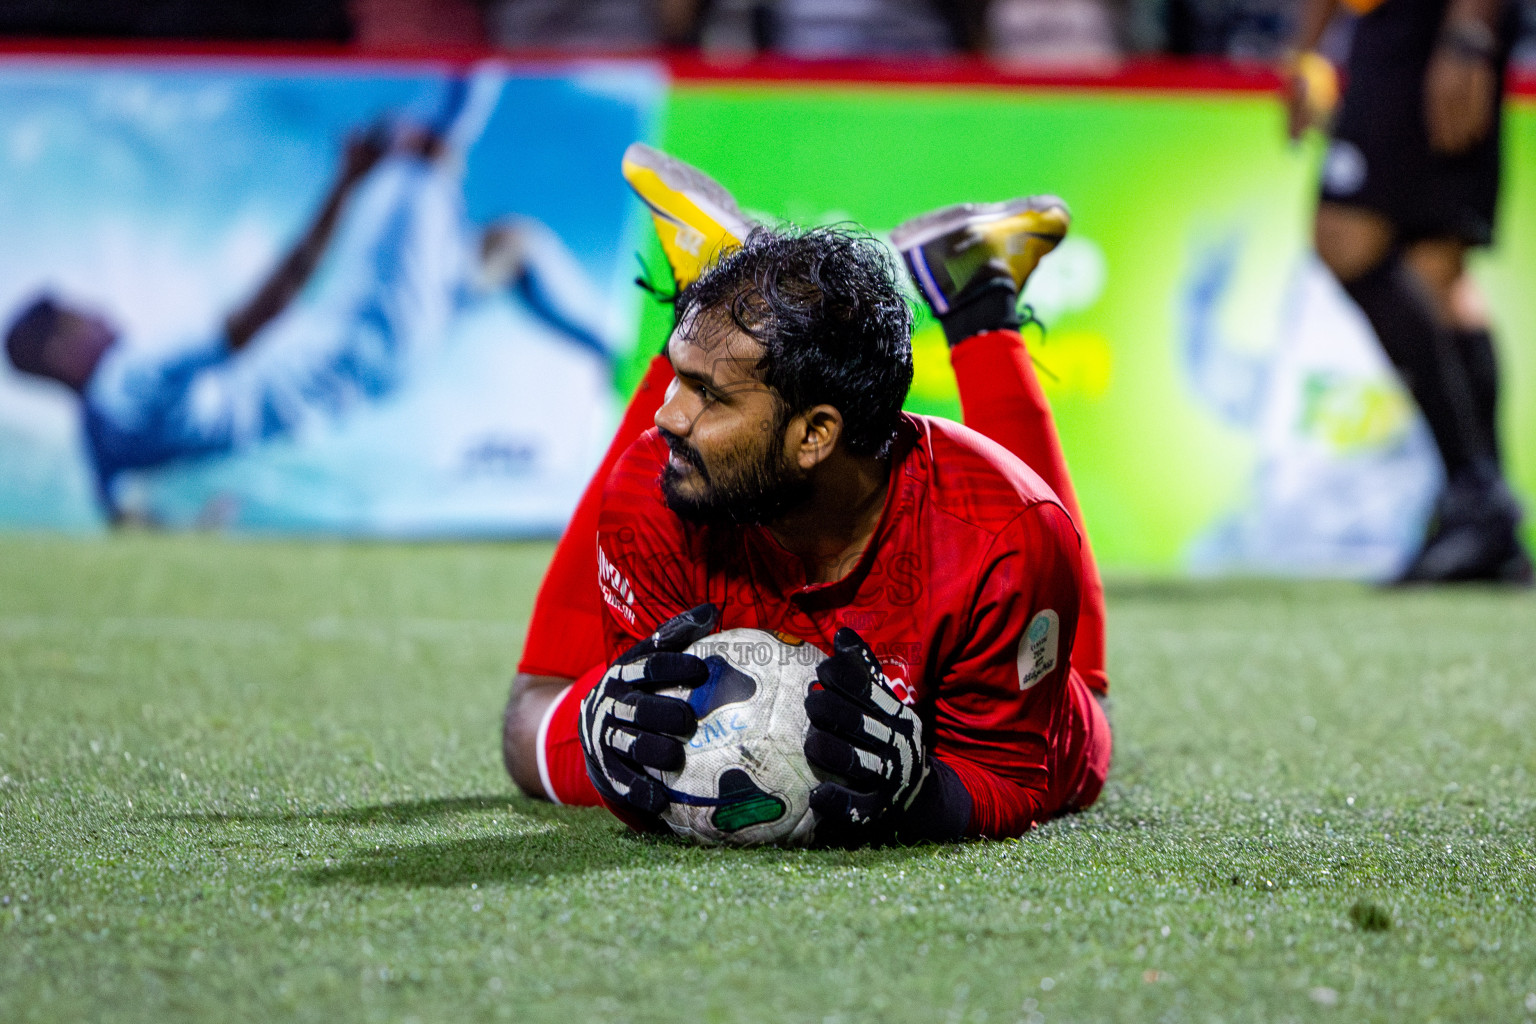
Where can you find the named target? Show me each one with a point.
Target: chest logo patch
(616, 591)
(1039, 648)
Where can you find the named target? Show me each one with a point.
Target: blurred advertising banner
(381, 299)
(452, 360)
(1223, 406)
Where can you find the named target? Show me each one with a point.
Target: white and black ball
(745, 780)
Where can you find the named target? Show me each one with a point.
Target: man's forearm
(1315, 16)
(1484, 12)
(1471, 29)
(527, 709)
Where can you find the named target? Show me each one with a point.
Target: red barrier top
(1165, 74)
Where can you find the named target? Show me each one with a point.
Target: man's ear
(814, 435)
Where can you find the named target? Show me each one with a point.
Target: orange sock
(1001, 398)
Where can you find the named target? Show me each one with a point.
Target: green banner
(1222, 405)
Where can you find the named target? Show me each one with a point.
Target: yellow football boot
(696, 219)
(944, 249)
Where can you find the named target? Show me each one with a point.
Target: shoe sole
(919, 231)
(701, 191)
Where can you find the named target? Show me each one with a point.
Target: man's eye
(708, 394)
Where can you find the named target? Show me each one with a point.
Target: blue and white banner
(374, 299)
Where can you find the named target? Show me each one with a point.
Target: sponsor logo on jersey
(895, 670)
(902, 690)
(1039, 648)
(617, 592)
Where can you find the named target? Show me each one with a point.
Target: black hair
(833, 324)
(29, 333)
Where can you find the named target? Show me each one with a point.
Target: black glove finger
(634, 787)
(639, 652)
(674, 668)
(845, 677)
(850, 681)
(830, 710)
(843, 759)
(681, 630)
(854, 671)
(657, 751)
(653, 713)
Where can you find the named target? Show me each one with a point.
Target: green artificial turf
(261, 780)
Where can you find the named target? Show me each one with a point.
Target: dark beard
(754, 488)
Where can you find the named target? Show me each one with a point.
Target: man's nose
(671, 417)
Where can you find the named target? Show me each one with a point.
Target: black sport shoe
(1475, 539)
(946, 249)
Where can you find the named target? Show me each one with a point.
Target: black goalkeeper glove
(626, 728)
(861, 733)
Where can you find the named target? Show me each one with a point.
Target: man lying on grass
(783, 488)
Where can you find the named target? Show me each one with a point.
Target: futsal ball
(745, 780)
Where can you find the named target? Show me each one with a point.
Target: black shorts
(1379, 157)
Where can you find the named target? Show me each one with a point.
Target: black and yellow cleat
(696, 219)
(946, 249)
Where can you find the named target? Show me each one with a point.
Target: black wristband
(941, 812)
(989, 303)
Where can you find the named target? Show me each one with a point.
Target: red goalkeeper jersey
(967, 591)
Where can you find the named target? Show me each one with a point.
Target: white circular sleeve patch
(1039, 647)
(1344, 168)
